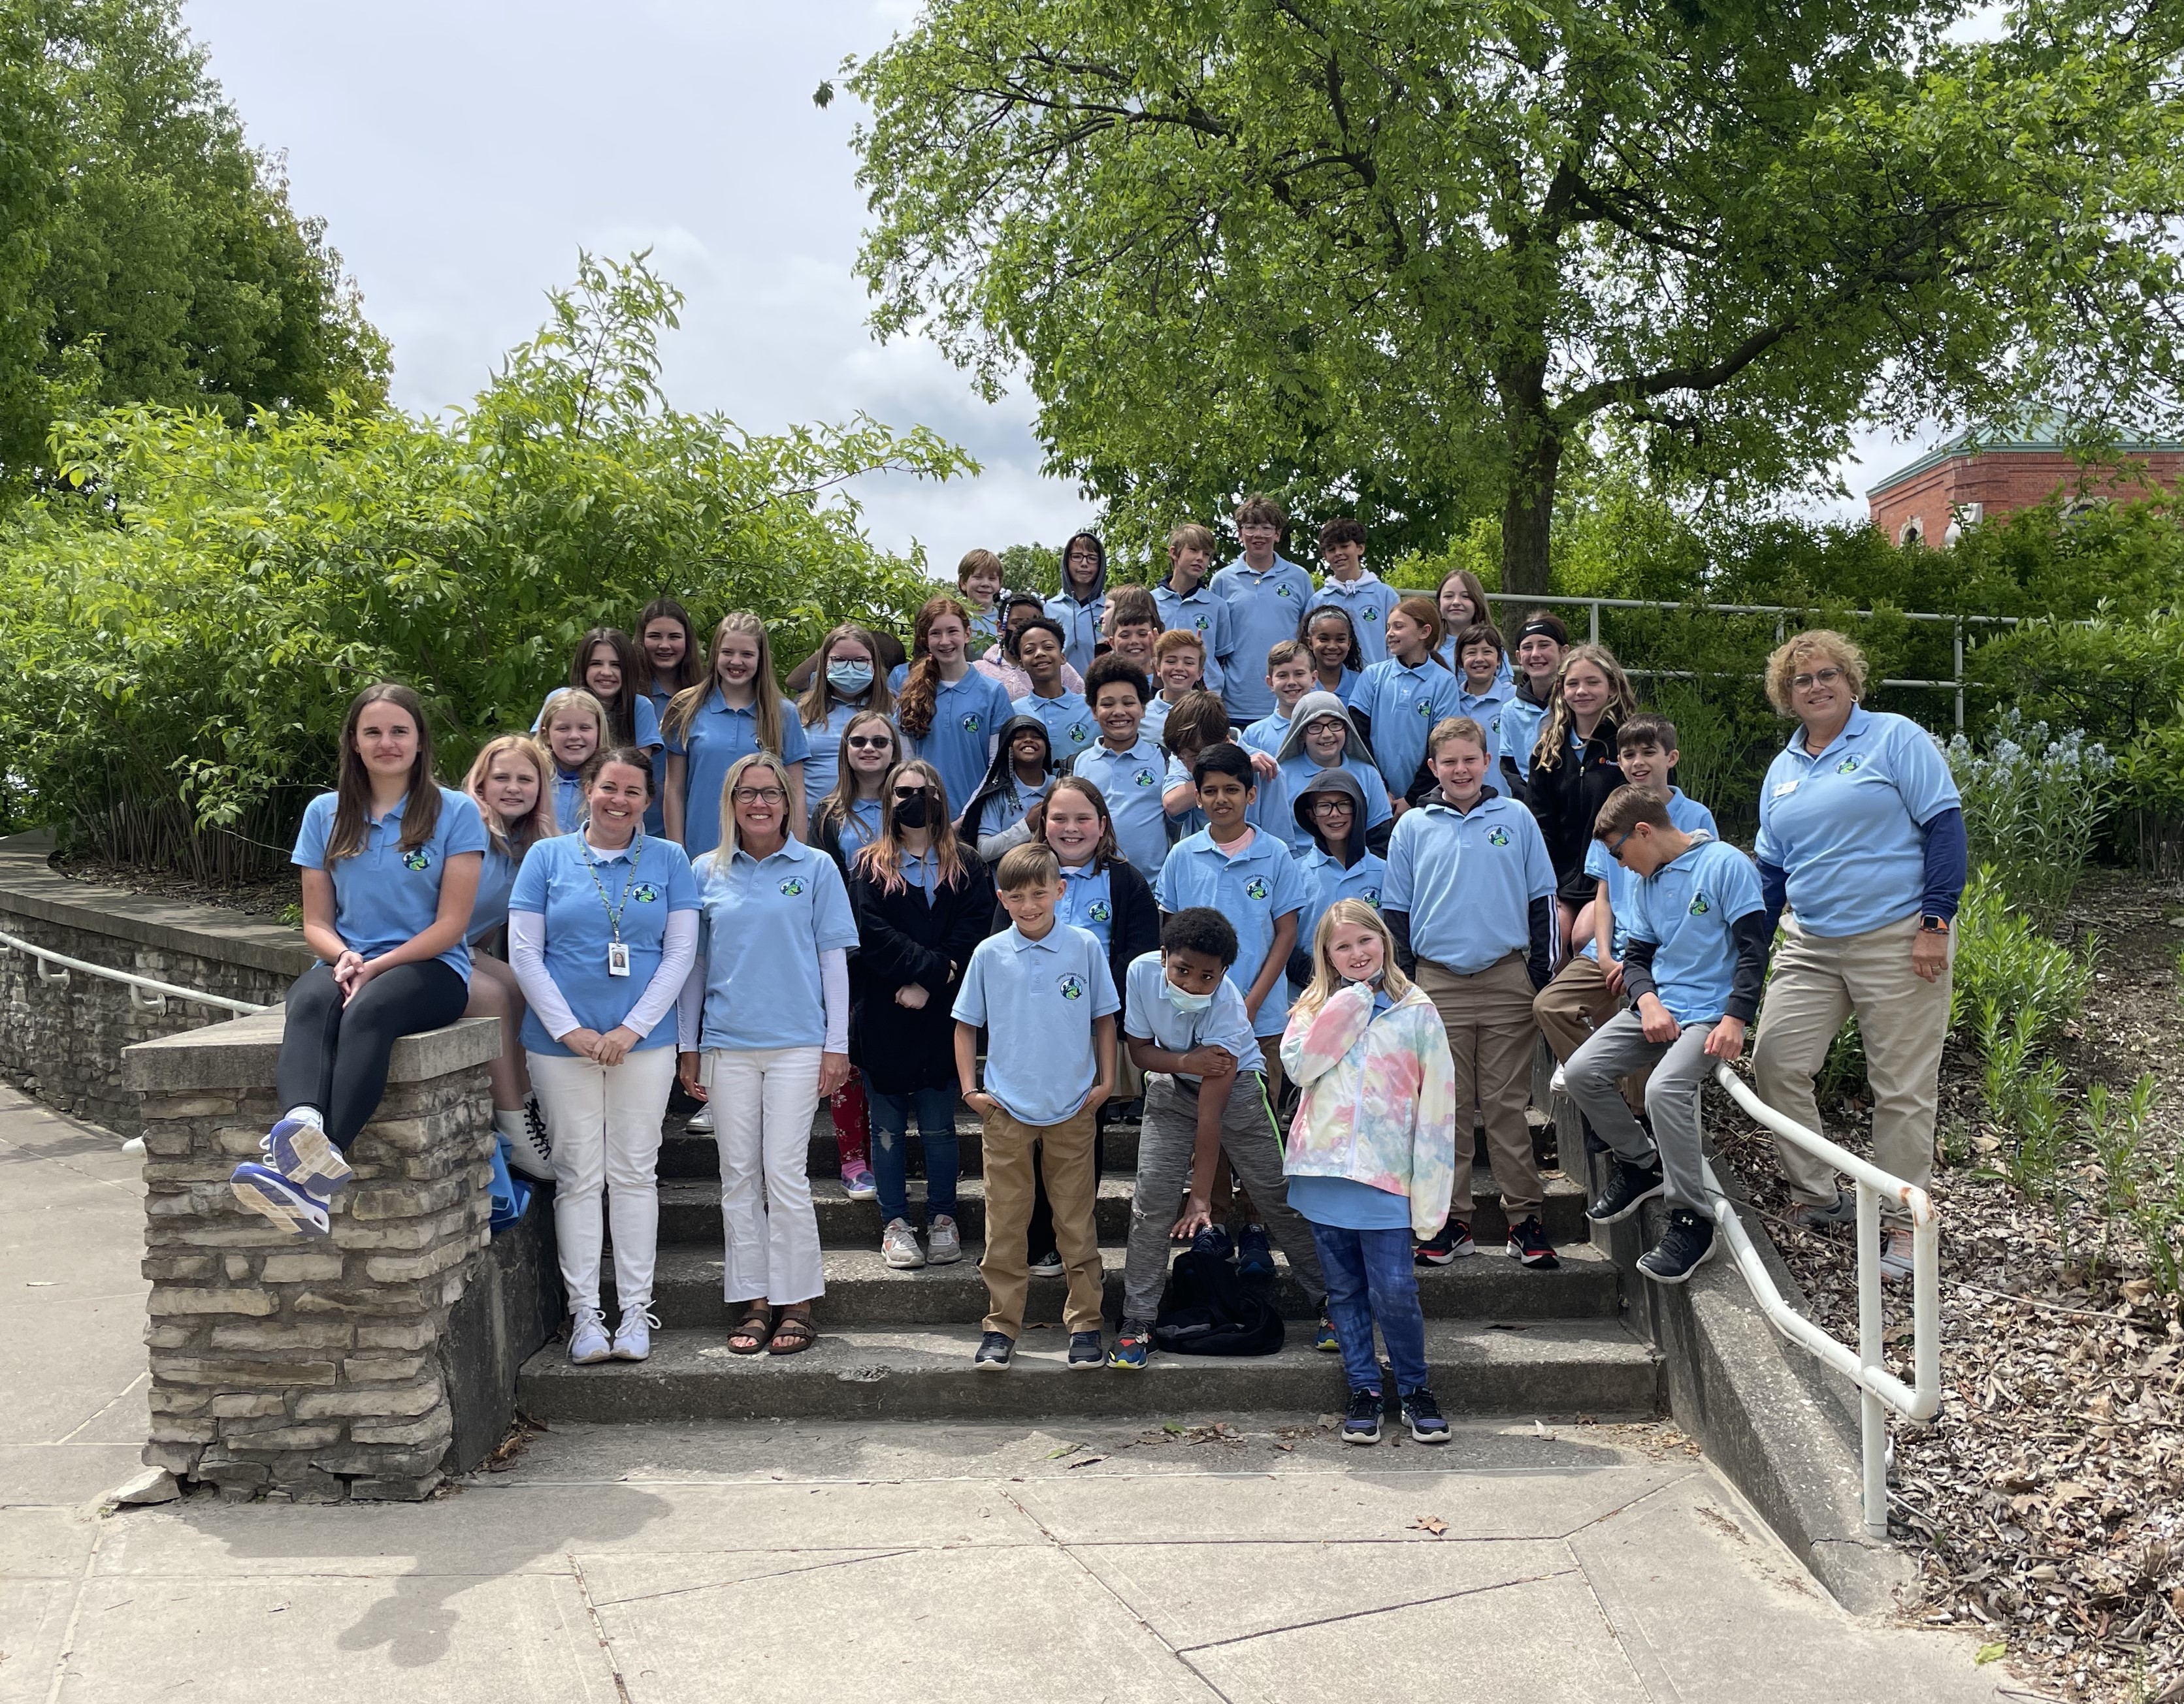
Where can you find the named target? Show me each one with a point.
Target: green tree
(149, 253)
(1405, 256)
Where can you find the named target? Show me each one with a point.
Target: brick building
(1951, 488)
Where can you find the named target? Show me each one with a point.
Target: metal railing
(147, 993)
(1865, 1366)
(1955, 684)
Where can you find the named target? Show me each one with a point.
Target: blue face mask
(1181, 1000)
(850, 679)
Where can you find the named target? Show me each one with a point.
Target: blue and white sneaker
(588, 1338)
(1323, 1338)
(285, 1203)
(1423, 1415)
(1255, 1257)
(1362, 1423)
(303, 1153)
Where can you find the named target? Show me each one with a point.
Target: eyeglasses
(1333, 807)
(759, 795)
(868, 742)
(1819, 677)
(1615, 847)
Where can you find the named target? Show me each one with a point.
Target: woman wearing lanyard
(390, 871)
(603, 925)
(1862, 832)
(510, 783)
(765, 1013)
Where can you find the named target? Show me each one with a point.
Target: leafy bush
(182, 629)
(2033, 807)
(2002, 960)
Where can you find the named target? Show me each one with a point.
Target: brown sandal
(754, 1328)
(794, 1335)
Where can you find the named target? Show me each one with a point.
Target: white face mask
(1181, 1000)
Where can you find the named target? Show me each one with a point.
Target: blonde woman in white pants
(765, 1028)
(603, 925)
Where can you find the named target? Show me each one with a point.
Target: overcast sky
(462, 152)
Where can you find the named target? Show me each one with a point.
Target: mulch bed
(2046, 1501)
(267, 899)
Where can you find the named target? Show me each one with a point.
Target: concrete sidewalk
(638, 1565)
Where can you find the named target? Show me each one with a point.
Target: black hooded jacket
(1567, 800)
(1001, 776)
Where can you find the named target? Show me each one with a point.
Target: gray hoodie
(1310, 709)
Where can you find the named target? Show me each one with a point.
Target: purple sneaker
(285, 1203)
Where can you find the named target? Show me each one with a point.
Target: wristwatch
(1932, 925)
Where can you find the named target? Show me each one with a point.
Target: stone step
(861, 1291)
(1547, 1370)
(690, 1211)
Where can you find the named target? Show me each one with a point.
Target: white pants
(762, 1101)
(604, 1123)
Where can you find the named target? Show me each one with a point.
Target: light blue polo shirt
(1520, 730)
(1008, 806)
(966, 718)
(1067, 719)
(1155, 721)
(1150, 1015)
(1848, 827)
(1404, 704)
(1687, 907)
(384, 896)
(1347, 689)
(1037, 1001)
(1467, 882)
(1504, 675)
(568, 798)
(1326, 880)
(1688, 815)
(822, 760)
(767, 920)
(1087, 903)
(647, 886)
(1080, 627)
(1204, 612)
(1367, 601)
(861, 826)
(1130, 782)
(1485, 708)
(1268, 733)
(496, 878)
(1264, 610)
(1254, 890)
(716, 737)
(1297, 773)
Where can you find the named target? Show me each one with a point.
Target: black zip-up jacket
(1567, 800)
(903, 938)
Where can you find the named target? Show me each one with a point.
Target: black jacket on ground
(1134, 929)
(903, 938)
(1567, 800)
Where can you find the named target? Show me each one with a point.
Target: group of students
(1228, 841)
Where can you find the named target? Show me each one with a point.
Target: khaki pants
(1818, 983)
(1492, 1034)
(1066, 1161)
(1571, 1009)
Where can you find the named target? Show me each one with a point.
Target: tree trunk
(1528, 512)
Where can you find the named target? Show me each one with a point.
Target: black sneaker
(1528, 1243)
(1085, 1350)
(1362, 1423)
(1629, 1187)
(1421, 1414)
(1255, 1259)
(996, 1349)
(1046, 1265)
(1452, 1242)
(1686, 1245)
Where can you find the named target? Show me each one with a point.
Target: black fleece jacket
(1567, 800)
(903, 938)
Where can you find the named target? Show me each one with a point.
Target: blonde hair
(575, 699)
(765, 691)
(1451, 727)
(539, 825)
(756, 759)
(1326, 981)
(1190, 536)
(1813, 641)
(1555, 727)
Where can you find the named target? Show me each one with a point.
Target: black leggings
(334, 1057)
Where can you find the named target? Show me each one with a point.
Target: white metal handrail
(165, 991)
(1865, 1366)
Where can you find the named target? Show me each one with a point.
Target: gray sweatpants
(1165, 1141)
(1673, 1071)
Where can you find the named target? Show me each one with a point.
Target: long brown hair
(539, 825)
(882, 861)
(421, 810)
(1105, 851)
(818, 699)
(1473, 589)
(834, 809)
(765, 690)
(622, 708)
(686, 671)
(1555, 727)
(921, 687)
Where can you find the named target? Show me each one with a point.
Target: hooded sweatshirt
(1080, 617)
(1358, 874)
(1298, 767)
(1001, 800)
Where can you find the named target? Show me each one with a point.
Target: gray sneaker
(899, 1246)
(943, 1242)
(1896, 1253)
(1842, 1211)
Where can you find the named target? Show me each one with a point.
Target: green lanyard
(614, 907)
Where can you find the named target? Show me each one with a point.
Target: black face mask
(910, 813)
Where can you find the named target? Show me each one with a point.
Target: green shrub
(2002, 959)
(2033, 807)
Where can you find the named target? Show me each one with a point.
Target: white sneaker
(531, 1154)
(899, 1246)
(1556, 1085)
(700, 1122)
(588, 1338)
(633, 1337)
(943, 1242)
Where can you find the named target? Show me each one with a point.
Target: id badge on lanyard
(618, 958)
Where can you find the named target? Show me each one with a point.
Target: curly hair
(1555, 727)
(921, 687)
(1814, 642)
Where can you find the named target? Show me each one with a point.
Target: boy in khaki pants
(1045, 996)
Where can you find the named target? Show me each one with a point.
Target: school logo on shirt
(1073, 987)
(644, 893)
(1699, 906)
(1371, 614)
(1424, 709)
(792, 887)
(417, 858)
(1146, 778)
(1284, 592)
(1371, 896)
(971, 722)
(1850, 765)
(1497, 836)
(1199, 624)
(1079, 734)
(1099, 912)
(1255, 888)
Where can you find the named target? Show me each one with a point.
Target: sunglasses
(868, 742)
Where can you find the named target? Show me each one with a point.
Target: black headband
(1544, 630)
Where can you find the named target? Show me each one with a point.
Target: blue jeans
(936, 1123)
(1371, 1277)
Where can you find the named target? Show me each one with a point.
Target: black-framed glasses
(1335, 806)
(759, 795)
(903, 795)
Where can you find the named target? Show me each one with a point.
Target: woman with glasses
(765, 1028)
(1862, 835)
(921, 899)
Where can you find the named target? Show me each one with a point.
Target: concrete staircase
(897, 1345)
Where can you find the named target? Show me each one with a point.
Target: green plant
(2025, 1102)
(2115, 1130)
(2033, 806)
(2000, 957)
